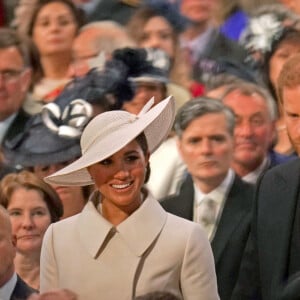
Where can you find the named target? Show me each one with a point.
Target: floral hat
(266, 27)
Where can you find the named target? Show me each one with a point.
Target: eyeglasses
(10, 75)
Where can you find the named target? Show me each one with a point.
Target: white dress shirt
(197, 45)
(7, 289)
(253, 176)
(219, 195)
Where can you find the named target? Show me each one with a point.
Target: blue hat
(50, 137)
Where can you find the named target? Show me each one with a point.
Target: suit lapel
(17, 126)
(233, 213)
(184, 204)
(21, 291)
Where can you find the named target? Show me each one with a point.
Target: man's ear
(14, 245)
(178, 144)
(14, 240)
(26, 79)
(273, 132)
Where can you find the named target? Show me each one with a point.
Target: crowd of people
(149, 150)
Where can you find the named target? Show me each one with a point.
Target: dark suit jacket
(233, 229)
(264, 269)
(12, 137)
(17, 126)
(21, 291)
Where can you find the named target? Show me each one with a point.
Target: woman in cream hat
(123, 244)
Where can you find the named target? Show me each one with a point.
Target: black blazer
(233, 229)
(264, 269)
(17, 127)
(21, 291)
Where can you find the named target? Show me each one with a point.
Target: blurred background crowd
(62, 62)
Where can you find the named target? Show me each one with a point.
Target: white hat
(110, 131)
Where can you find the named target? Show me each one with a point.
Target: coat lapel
(184, 203)
(94, 230)
(234, 212)
(139, 238)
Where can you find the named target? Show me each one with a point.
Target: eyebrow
(131, 152)
(20, 208)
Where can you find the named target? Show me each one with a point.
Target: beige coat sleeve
(48, 267)
(198, 277)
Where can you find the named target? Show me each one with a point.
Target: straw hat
(110, 131)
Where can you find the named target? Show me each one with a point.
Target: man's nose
(206, 147)
(244, 129)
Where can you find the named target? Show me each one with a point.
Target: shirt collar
(252, 176)
(198, 45)
(89, 6)
(219, 194)
(7, 289)
(138, 231)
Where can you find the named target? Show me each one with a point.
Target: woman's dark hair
(78, 15)
(289, 36)
(86, 192)
(25, 179)
(140, 18)
(142, 141)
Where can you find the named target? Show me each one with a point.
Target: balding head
(7, 248)
(96, 37)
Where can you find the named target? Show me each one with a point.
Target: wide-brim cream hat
(110, 131)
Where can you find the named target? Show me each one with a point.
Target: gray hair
(111, 36)
(106, 24)
(249, 89)
(199, 107)
(10, 38)
(220, 80)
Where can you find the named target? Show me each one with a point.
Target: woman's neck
(28, 268)
(56, 66)
(116, 214)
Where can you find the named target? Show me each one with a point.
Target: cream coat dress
(151, 250)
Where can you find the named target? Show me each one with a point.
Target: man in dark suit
(15, 79)
(205, 128)
(12, 287)
(203, 42)
(271, 264)
(256, 114)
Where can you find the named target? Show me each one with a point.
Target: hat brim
(156, 125)
(38, 145)
(149, 79)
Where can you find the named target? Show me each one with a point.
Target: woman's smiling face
(120, 177)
